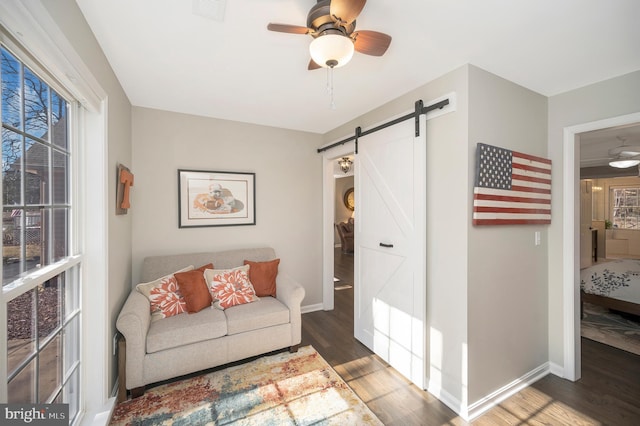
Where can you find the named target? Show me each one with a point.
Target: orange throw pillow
(193, 288)
(263, 276)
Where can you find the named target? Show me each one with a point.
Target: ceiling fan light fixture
(622, 163)
(331, 50)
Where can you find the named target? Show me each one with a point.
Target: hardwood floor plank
(607, 394)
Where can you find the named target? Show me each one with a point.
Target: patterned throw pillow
(230, 287)
(164, 296)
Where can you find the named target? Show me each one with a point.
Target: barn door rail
(419, 110)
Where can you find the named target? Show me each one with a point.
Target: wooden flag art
(511, 188)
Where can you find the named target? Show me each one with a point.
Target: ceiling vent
(211, 9)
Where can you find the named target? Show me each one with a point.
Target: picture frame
(216, 198)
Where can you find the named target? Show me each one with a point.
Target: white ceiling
(169, 58)
(595, 145)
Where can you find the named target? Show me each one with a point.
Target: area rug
(281, 389)
(607, 327)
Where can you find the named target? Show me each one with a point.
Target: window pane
(631, 197)
(60, 177)
(72, 395)
(72, 291)
(58, 120)
(71, 343)
(36, 105)
(11, 98)
(50, 306)
(21, 329)
(60, 232)
(36, 172)
(11, 244)
(11, 168)
(49, 371)
(23, 387)
(34, 238)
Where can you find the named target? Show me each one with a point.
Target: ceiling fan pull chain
(332, 104)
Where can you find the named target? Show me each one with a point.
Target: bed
(614, 285)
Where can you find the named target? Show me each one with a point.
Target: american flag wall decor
(511, 188)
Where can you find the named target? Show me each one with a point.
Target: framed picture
(208, 198)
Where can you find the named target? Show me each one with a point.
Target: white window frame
(31, 24)
(33, 278)
(612, 201)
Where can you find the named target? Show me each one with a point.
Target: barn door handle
(386, 245)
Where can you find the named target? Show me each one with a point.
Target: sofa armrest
(133, 322)
(291, 293)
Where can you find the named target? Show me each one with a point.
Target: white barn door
(390, 252)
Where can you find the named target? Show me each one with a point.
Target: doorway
(331, 195)
(571, 237)
(344, 235)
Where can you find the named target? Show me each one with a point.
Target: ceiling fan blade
(312, 65)
(371, 42)
(346, 10)
(286, 28)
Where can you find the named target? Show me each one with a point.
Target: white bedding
(618, 279)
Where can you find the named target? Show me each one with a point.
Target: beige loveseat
(190, 342)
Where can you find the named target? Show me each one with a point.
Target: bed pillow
(263, 276)
(230, 287)
(164, 296)
(194, 288)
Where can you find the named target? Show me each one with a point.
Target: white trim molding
(30, 24)
(570, 239)
(488, 402)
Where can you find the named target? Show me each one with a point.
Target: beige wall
(507, 291)
(288, 190)
(68, 17)
(607, 99)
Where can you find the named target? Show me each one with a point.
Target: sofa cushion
(230, 287)
(165, 299)
(194, 288)
(263, 276)
(183, 329)
(266, 312)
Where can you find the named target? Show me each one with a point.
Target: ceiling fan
(332, 24)
(624, 156)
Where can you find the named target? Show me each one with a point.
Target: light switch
(537, 238)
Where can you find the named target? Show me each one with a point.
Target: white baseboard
(311, 308)
(556, 370)
(483, 405)
(100, 417)
(493, 399)
(445, 397)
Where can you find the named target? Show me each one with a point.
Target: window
(40, 268)
(625, 204)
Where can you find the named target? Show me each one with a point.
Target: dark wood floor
(607, 394)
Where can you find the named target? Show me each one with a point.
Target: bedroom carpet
(606, 327)
(281, 389)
